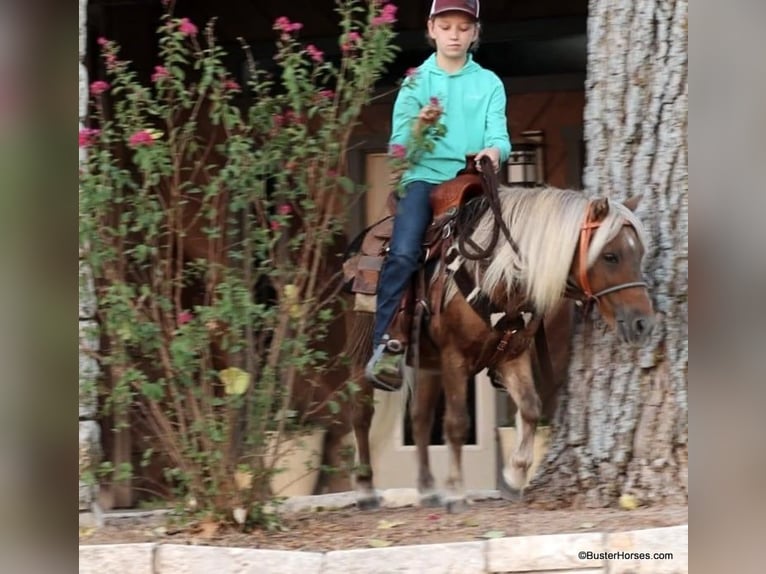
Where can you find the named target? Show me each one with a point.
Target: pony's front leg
(518, 380)
(363, 410)
(455, 383)
(422, 411)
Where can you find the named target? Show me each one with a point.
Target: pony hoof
(515, 477)
(509, 493)
(432, 500)
(368, 503)
(456, 505)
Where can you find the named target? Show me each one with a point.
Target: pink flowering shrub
(257, 166)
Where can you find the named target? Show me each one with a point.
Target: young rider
(470, 101)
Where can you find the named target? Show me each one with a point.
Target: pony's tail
(359, 340)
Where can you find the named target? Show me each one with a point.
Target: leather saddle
(368, 251)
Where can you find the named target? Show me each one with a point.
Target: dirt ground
(352, 528)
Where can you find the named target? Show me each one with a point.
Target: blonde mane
(545, 224)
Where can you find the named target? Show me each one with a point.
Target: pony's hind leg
(455, 382)
(422, 410)
(518, 380)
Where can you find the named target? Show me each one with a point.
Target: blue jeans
(413, 215)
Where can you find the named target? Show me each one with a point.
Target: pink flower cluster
(184, 317)
(109, 56)
(352, 39)
(141, 138)
(315, 53)
(231, 85)
(287, 118)
(187, 27)
(398, 151)
(283, 24)
(283, 209)
(387, 16)
(87, 135)
(160, 72)
(99, 87)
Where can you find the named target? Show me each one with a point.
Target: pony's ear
(632, 202)
(599, 208)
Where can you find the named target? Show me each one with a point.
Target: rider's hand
(492, 153)
(428, 116)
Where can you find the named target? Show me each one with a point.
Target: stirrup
(389, 382)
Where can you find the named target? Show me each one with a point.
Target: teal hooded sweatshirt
(473, 100)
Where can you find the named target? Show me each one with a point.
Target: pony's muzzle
(635, 328)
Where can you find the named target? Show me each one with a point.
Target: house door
(393, 450)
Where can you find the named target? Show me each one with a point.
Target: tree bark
(622, 423)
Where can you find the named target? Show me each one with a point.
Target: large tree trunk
(622, 423)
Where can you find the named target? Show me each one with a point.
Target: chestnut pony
(563, 244)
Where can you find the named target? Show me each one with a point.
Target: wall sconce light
(525, 164)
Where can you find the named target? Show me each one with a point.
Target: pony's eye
(611, 257)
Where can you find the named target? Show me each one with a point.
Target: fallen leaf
(386, 524)
(208, 529)
(493, 534)
(470, 522)
(434, 516)
(243, 479)
(378, 543)
(85, 532)
(628, 502)
(160, 531)
(587, 525)
(235, 381)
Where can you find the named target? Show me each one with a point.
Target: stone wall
(89, 449)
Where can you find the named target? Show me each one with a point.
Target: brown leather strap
(437, 293)
(501, 346)
(586, 233)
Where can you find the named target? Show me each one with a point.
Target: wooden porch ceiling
(519, 37)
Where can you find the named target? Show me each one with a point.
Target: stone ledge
(457, 558)
(117, 559)
(544, 554)
(176, 559)
(673, 539)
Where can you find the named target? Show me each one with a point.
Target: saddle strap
(437, 294)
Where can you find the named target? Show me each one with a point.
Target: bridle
(581, 290)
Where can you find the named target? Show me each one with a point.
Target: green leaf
(493, 534)
(378, 543)
(235, 380)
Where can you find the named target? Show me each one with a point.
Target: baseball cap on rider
(469, 6)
